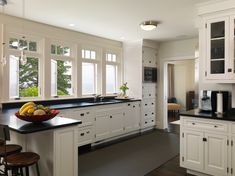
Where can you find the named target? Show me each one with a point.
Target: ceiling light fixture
(149, 25)
(3, 2)
(72, 25)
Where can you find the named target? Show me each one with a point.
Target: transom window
(111, 57)
(23, 44)
(88, 54)
(60, 50)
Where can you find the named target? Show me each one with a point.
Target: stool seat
(10, 149)
(23, 159)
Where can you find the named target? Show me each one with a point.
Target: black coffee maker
(226, 101)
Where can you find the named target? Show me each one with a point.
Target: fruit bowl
(38, 118)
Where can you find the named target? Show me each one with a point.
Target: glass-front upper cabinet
(217, 48)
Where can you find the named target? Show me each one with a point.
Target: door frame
(165, 84)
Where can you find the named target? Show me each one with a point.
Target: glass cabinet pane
(217, 49)
(217, 67)
(218, 29)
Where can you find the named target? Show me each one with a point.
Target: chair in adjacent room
(16, 162)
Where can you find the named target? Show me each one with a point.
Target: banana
(25, 105)
(26, 109)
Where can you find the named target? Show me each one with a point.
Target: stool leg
(37, 168)
(27, 171)
(21, 172)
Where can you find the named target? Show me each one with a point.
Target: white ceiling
(114, 19)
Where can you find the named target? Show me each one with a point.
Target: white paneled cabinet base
(104, 122)
(206, 146)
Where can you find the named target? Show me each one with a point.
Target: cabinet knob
(82, 114)
(193, 123)
(82, 134)
(146, 104)
(150, 95)
(111, 117)
(129, 104)
(230, 70)
(216, 126)
(146, 122)
(204, 139)
(133, 106)
(145, 114)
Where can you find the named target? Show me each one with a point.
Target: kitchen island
(207, 143)
(55, 141)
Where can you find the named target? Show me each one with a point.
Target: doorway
(181, 90)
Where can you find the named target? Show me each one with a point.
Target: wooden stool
(22, 160)
(16, 161)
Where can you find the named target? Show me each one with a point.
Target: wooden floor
(170, 168)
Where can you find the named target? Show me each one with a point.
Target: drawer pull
(152, 113)
(146, 122)
(146, 114)
(152, 120)
(152, 103)
(216, 126)
(82, 114)
(129, 104)
(133, 106)
(82, 134)
(150, 95)
(204, 140)
(87, 112)
(193, 123)
(146, 104)
(111, 117)
(88, 132)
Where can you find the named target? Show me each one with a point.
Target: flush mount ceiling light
(148, 25)
(3, 2)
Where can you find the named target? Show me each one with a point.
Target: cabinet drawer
(233, 128)
(215, 126)
(149, 113)
(85, 135)
(85, 115)
(148, 122)
(149, 103)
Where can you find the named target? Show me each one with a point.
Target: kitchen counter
(196, 113)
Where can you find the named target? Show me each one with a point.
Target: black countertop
(7, 116)
(229, 116)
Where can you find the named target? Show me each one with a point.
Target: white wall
(184, 80)
(132, 60)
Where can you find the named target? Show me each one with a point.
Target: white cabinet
(205, 146)
(217, 47)
(193, 150)
(216, 154)
(132, 116)
(109, 122)
(102, 126)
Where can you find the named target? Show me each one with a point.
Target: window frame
(71, 59)
(118, 65)
(16, 52)
(98, 71)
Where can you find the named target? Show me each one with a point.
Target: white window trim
(8, 51)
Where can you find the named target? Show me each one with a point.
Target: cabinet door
(193, 150)
(116, 123)
(132, 117)
(102, 127)
(217, 48)
(216, 154)
(233, 156)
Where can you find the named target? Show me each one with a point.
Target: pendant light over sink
(149, 25)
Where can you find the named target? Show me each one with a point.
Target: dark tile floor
(170, 168)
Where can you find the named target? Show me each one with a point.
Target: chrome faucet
(96, 97)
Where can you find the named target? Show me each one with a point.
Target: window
(61, 71)
(24, 72)
(89, 72)
(111, 73)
